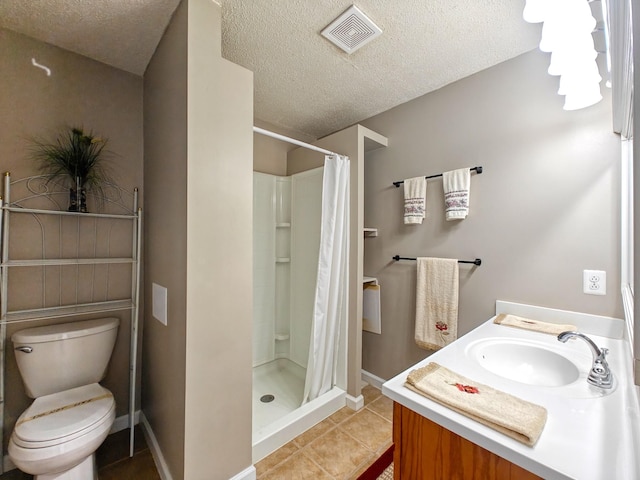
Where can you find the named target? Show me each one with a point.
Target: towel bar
(478, 170)
(477, 261)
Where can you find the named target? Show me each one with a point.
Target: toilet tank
(63, 356)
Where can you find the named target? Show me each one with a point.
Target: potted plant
(79, 156)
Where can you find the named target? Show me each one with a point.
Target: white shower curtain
(330, 307)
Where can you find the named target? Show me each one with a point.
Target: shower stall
(286, 244)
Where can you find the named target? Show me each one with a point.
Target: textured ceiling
(303, 83)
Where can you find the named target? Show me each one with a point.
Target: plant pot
(73, 200)
(78, 198)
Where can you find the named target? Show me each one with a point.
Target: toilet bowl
(71, 415)
(56, 437)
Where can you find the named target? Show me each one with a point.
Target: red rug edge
(379, 466)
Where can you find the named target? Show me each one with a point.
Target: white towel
(456, 193)
(436, 302)
(371, 321)
(415, 200)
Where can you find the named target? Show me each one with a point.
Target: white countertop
(589, 434)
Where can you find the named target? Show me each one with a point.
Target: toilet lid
(60, 416)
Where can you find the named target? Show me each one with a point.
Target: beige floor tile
(370, 394)
(314, 432)
(382, 406)
(342, 414)
(338, 453)
(280, 455)
(297, 467)
(370, 429)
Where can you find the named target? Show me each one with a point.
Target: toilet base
(85, 470)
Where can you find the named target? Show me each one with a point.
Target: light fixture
(566, 34)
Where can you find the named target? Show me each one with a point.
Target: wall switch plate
(594, 282)
(159, 303)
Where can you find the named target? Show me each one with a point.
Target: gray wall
(546, 207)
(80, 92)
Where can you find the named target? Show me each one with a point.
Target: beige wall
(546, 207)
(219, 260)
(82, 92)
(198, 165)
(165, 233)
(270, 154)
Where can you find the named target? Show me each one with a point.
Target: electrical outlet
(594, 282)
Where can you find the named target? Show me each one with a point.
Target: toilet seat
(61, 417)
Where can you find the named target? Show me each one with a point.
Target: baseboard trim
(248, 473)
(372, 379)
(154, 447)
(355, 403)
(122, 422)
(7, 464)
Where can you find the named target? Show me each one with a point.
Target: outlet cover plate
(594, 282)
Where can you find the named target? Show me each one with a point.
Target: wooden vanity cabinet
(426, 451)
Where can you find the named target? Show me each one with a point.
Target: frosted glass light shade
(566, 34)
(586, 98)
(536, 11)
(579, 79)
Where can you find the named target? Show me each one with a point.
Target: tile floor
(340, 447)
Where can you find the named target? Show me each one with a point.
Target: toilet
(71, 415)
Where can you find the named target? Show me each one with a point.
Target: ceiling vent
(351, 30)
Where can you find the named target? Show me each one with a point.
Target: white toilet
(61, 365)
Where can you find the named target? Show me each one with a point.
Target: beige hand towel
(436, 302)
(501, 411)
(456, 185)
(415, 200)
(535, 325)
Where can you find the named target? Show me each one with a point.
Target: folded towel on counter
(501, 411)
(535, 325)
(436, 302)
(415, 200)
(456, 185)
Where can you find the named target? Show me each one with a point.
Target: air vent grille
(351, 30)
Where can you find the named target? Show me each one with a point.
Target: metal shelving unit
(41, 199)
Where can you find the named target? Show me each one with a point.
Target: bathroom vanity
(424, 449)
(590, 433)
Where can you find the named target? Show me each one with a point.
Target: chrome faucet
(600, 375)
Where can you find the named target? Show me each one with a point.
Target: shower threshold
(271, 437)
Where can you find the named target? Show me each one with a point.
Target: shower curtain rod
(268, 133)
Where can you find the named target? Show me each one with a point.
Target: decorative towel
(535, 325)
(436, 302)
(371, 321)
(415, 200)
(456, 185)
(501, 411)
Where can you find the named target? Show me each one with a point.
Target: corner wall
(198, 164)
(545, 208)
(165, 240)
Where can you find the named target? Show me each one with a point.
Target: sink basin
(524, 362)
